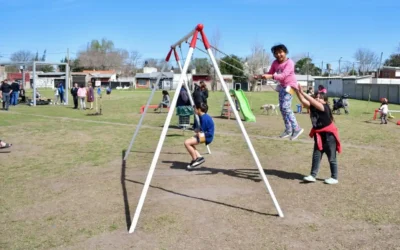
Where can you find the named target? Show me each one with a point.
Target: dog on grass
(270, 108)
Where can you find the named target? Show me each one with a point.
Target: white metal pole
(246, 136)
(34, 83)
(144, 113)
(66, 83)
(191, 99)
(159, 146)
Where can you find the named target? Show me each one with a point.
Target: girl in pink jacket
(82, 95)
(282, 70)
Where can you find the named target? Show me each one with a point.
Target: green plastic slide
(244, 106)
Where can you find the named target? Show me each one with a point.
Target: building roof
(304, 78)
(99, 71)
(52, 74)
(154, 75)
(101, 75)
(391, 67)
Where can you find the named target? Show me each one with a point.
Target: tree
(234, 68)
(215, 41)
(132, 63)
(367, 60)
(394, 59)
(22, 56)
(305, 66)
(256, 63)
(202, 65)
(102, 55)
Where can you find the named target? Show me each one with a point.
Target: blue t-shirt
(207, 127)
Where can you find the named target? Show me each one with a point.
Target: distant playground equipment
(341, 103)
(241, 104)
(151, 107)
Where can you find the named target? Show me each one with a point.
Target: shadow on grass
(203, 199)
(124, 192)
(226, 118)
(250, 174)
(166, 153)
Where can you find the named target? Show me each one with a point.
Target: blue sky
(327, 30)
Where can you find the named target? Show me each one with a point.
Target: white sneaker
(331, 181)
(309, 178)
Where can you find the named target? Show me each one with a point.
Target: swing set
(198, 30)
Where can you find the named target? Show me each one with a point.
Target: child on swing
(206, 128)
(325, 133)
(282, 70)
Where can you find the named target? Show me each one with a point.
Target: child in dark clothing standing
(203, 135)
(325, 133)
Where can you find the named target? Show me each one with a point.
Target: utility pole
(69, 71)
(322, 67)
(339, 65)
(308, 59)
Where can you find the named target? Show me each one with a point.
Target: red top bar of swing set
(198, 28)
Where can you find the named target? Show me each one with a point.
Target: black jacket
(198, 96)
(74, 91)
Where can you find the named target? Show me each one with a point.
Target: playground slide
(244, 106)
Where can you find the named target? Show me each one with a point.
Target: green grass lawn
(60, 182)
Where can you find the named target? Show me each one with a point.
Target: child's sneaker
(285, 134)
(198, 161)
(331, 181)
(296, 134)
(309, 178)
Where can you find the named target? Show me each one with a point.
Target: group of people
(324, 131)
(10, 94)
(83, 94)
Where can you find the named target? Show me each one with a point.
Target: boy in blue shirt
(207, 127)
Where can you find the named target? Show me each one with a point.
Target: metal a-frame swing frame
(193, 34)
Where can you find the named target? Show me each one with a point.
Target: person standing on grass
(82, 95)
(204, 90)
(6, 92)
(90, 95)
(282, 70)
(14, 94)
(74, 93)
(384, 110)
(61, 93)
(325, 133)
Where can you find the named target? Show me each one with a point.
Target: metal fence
(362, 91)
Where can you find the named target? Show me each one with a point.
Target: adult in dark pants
(204, 90)
(74, 93)
(6, 91)
(14, 94)
(198, 99)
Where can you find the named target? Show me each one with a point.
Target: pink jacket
(284, 73)
(82, 92)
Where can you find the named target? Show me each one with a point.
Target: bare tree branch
(367, 60)
(22, 56)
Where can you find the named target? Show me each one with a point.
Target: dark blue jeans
(329, 148)
(14, 98)
(6, 100)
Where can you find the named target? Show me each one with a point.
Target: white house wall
(334, 86)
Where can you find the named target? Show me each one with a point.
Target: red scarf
(330, 129)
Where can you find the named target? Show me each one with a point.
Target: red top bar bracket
(176, 55)
(169, 55)
(199, 27)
